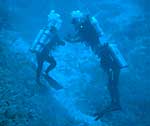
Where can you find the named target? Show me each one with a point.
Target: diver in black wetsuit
(87, 34)
(44, 54)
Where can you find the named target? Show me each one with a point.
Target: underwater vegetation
(25, 103)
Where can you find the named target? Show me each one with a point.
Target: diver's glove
(105, 44)
(61, 43)
(32, 50)
(68, 38)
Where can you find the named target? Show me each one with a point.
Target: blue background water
(24, 103)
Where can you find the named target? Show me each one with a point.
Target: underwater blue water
(25, 103)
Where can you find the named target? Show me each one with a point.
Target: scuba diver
(45, 42)
(89, 32)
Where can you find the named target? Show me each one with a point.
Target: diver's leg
(113, 78)
(52, 62)
(114, 91)
(39, 68)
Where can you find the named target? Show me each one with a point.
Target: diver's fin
(53, 83)
(106, 111)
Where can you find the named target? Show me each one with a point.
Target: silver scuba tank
(114, 51)
(44, 36)
(117, 56)
(41, 39)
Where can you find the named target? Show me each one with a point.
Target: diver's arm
(61, 42)
(57, 40)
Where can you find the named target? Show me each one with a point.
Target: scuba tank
(117, 56)
(112, 48)
(42, 38)
(45, 34)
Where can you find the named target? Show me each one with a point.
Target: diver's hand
(31, 50)
(68, 38)
(106, 44)
(62, 43)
